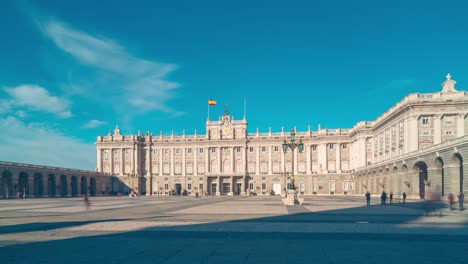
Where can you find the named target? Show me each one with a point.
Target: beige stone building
(404, 150)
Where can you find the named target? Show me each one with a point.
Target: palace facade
(416, 146)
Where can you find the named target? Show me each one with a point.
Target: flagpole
(208, 119)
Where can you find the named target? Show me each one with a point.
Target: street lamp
(293, 145)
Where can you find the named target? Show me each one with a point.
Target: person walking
(86, 202)
(368, 196)
(391, 197)
(404, 197)
(461, 197)
(451, 201)
(383, 198)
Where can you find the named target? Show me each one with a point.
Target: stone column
(437, 129)
(270, 165)
(99, 160)
(452, 179)
(149, 179)
(111, 162)
(233, 160)
(207, 160)
(172, 161)
(322, 157)
(460, 125)
(184, 163)
(195, 161)
(161, 171)
(122, 162)
(338, 157)
(257, 161)
(231, 189)
(243, 185)
(412, 140)
(244, 159)
(220, 163)
(309, 160)
(218, 186)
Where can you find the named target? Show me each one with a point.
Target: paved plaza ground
(339, 229)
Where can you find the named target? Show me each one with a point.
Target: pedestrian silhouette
(404, 197)
(391, 197)
(451, 201)
(461, 197)
(86, 202)
(383, 198)
(368, 197)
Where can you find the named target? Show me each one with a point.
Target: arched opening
(7, 184)
(63, 186)
(421, 170)
(38, 185)
(23, 184)
(51, 189)
(457, 159)
(84, 186)
(74, 186)
(92, 183)
(439, 164)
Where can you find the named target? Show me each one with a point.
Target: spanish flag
(211, 102)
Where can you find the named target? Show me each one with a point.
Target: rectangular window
(189, 186)
(106, 151)
(189, 151)
(166, 187)
(251, 186)
(126, 151)
(448, 132)
(116, 151)
(263, 149)
(344, 145)
(314, 147)
(177, 151)
(251, 149)
(276, 148)
(425, 120)
(213, 150)
(201, 150)
(155, 151)
(332, 186)
(263, 186)
(166, 151)
(425, 133)
(331, 146)
(238, 149)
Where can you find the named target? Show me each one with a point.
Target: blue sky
(72, 71)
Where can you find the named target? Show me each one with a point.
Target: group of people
(451, 200)
(383, 198)
(433, 198)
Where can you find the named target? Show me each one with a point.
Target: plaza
(227, 229)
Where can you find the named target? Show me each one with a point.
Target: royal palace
(417, 146)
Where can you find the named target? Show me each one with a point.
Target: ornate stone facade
(228, 160)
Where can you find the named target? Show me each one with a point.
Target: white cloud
(5, 106)
(94, 123)
(39, 144)
(140, 81)
(38, 98)
(21, 113)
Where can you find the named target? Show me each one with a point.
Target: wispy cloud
(37, 98)
(94, 123)
(39, 144)
(141, 82)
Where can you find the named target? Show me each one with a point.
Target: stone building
(417, 145)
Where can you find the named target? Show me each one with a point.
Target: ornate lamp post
(292, 194)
